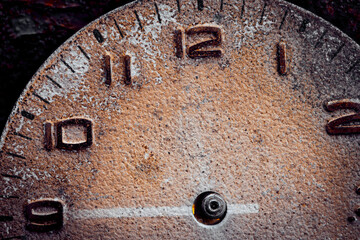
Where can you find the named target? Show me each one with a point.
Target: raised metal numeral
(108, 69)
(48, 138)
(282, 58)
(179, 42)
(127, 63)
(202, 48)
(44, 215)
(70, 134)
(345, 124)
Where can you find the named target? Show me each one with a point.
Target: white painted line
(155, 211)
(242, 208)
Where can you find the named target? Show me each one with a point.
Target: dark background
(31, 30)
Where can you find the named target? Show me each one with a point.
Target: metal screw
(213, 206)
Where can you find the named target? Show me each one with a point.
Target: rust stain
(167, 128)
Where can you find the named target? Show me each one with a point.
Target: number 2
(337, 125)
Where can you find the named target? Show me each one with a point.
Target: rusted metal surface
(32, 29)
(170, 126)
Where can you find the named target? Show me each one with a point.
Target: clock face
(188, 119)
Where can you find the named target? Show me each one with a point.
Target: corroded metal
(209, 208)
(153, 104)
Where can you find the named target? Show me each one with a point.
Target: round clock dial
(188, 119)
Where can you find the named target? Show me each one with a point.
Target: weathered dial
(188, 119)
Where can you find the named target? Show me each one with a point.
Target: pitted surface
(230, 124)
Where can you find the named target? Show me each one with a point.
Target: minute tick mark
(320, 39)
(337, 51)
(303, 25)
(118, 28)
(27, 115)
(10, 176)
(67, 65)
(98, 36)
(178, 5)
(9, 197)
(21, 135)
(242, 9)
(6, 218)
(41, 98)
(200, 5)
(83, 52)
(157, 12)
(138, 19)
(262, 13)
(283, 19)
(53, 81)
(15, 237)
(15, 155)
